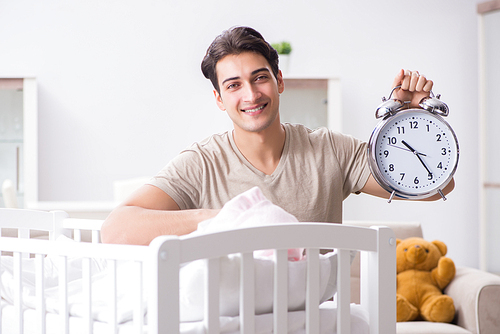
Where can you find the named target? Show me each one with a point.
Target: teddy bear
(422, 273)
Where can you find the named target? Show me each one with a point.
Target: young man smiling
(306, 172)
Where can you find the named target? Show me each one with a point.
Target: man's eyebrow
(263, 69)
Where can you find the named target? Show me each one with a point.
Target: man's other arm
(373, 188)
(148, 213)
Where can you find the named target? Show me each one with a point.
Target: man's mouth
(254, 109)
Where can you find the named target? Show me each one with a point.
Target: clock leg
(442, 195)
(392, 196)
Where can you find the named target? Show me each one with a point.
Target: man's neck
(262, 149)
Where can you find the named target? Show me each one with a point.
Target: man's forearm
(139, 226)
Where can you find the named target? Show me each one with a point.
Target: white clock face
(414, 152)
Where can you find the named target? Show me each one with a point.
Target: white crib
(157, 286)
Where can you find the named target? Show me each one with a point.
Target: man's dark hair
(234, 42)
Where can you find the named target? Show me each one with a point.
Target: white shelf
(313, 101)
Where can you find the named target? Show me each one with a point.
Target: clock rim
(380, 177)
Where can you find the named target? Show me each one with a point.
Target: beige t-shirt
(318, 169)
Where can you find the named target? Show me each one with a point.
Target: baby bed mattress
(263, 322)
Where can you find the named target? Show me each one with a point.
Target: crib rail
(378, 243)
(163, 258)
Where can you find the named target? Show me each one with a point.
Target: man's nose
(252, 94)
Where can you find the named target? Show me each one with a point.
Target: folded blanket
(250, 209)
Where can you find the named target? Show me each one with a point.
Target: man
(307, 173)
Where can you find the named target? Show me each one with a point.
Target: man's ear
(281, 82)
(218, 100)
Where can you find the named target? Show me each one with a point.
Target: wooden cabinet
(19, 137)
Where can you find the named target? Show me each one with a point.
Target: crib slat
(18, 301)
(24, 233)
(138, 316)
(113, 314)
(312, 294)
(95, 236)
(343, 291)
(77, 235)
(1, 317)
(87, 294)
(280, 304)
(40, 293)
(247, 294)
(63, 294)
(211, 316)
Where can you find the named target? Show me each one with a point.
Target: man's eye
(232, 86)
(261, 77)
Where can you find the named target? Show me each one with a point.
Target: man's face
(249, 92)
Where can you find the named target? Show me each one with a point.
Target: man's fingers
(428, 86)
(405, 84)
(413, 81)
(398, 79)
(422, 80)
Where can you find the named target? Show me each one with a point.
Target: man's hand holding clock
(414, 87)
(409, 127)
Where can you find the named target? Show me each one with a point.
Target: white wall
(121, 92)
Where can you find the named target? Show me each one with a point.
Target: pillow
(192, 285)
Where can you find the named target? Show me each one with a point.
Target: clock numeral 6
(416, 181)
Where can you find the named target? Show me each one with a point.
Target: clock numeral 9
(386, 153)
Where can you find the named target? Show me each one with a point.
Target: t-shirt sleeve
(181, 179)
(352, 155)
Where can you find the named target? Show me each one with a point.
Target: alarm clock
(413, 152)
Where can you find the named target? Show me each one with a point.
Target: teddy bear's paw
(405, 310)
(440, 309)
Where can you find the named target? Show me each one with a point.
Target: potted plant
(284, 49)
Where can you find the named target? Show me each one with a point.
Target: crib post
(163, 297)
(57, 221)
(377, 294)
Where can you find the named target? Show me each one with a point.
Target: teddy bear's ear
(398, 241)
(441, 246)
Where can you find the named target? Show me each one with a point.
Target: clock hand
(405, 149)
(422, 161)
(418, 156)
(408, 145)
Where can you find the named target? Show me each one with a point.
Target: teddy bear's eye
(427, 251)
(406, 249)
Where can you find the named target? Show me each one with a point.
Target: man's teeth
(254, 110)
